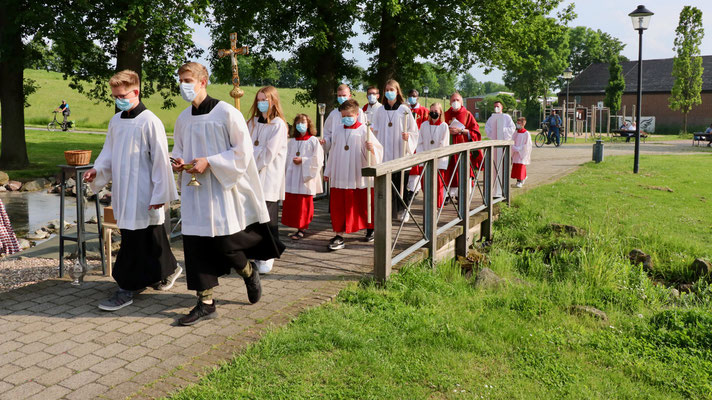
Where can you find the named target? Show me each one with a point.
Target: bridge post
(430, 206)
(382, 227)
(463, 203)
(506, 171)
(486, 227)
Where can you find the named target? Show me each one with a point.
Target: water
(29, 211)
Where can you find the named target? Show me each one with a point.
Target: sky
(610, 16)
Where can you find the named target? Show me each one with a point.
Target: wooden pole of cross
(233, 51)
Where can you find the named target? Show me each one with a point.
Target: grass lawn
(88, 115)
(434, 335)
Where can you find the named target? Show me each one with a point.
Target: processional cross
(233, 51)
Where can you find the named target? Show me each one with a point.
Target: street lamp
(641, 19)
(568, 74)
(426, 90)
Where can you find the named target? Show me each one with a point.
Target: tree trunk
(684, 123)
(13, 153)
(325, 66)
(387, 47)
(130, 47)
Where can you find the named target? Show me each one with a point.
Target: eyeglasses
(122, 96)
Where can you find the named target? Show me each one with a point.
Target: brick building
(588, 88)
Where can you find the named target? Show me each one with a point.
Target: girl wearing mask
(434, 134)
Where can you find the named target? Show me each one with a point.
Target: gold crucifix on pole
(233, 51)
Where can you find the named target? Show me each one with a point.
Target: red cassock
(420, 114)
(466, 118)
(348, 209)
(519, 171)
(297, 210)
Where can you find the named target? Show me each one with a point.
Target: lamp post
(641, 19)
(568, 74)
(426, 90)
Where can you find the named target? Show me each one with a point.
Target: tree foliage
(616, 86)
(588, 46)
(687, 64)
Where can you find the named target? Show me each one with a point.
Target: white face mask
(455, 105)
(187, 91)
(498, 110)
(372, 98)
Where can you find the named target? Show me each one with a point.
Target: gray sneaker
(119, 300)
(167, 284)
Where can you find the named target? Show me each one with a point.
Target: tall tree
(21, 22)
(588, 46)
(138, 35)
(687, 65)
(538, 65)
(316, 33)
(456, 36)
(468, 86)
(616, 86)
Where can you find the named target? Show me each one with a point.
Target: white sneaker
(406, 216)
(264, 267)
(519, 184)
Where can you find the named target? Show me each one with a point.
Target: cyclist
(554, 122)
(64, 109)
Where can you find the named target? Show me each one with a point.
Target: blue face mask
(263, 106)
(413, 100)
(301, 127)
(187, 91)
(348, 121)
(391, 95)
(123, 104)
(341, 99)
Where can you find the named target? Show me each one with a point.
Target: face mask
(391, 95)
(301, 127)
(413, 100)
(187, 91)
(348, 121)
(498, 110)
(372, 98)
(123, 104)
(455, 105)
(434, 115)
(263, 106)
(341, 99)
(519, 126)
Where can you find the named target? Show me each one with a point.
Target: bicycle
(56, 125)
(542, 137)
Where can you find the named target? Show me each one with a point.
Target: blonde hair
(126, 78)
(440, 107)
(275, 109)
(350, 105)
(399, 92)
(343, 86)
(310, 126)
(198, 70)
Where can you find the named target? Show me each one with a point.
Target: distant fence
(489, 186)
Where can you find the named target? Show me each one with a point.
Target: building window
(577, 99)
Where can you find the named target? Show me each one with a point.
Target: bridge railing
(487, 185)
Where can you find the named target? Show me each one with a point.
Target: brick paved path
(55, 343)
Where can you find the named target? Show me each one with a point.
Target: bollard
(598, 151)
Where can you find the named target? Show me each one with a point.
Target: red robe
(420, 114)
(298, 209)
(466, 118)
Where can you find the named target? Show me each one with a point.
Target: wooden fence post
(486, 227)
(430, 206)
(505, 173)
(382, 227)
(463, 203)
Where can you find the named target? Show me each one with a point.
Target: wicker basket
(77, 157)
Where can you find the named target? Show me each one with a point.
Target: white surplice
(499, 127)
(343, 168)
(333, 121)
(522, 148)
(135, 159)
(371, 108)
(304, 178)
(390, 136)
(230, 195)
(270, 147)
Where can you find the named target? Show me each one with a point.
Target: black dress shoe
(199, 312)
(254, 287)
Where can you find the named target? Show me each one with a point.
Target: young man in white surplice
(499, 126)
(135, 158)
(225, 218)
(397, 131)
(333, 120)
(269, 133)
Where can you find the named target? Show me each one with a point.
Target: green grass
(433, 335)
(88, 115)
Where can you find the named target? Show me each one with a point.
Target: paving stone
(84, 363)
(32, 359)
(135, 339)
(158, 341)
(134, 353)
(56, 337)
(8, 369)
(117, 377)
(84, 349)
(142, 364)
(110, 364)
(8, 347)
(26, 374)
(51, 393)
(89, 391)
(54, 376)
(80, 379)
(22, 391)
(111, 350)
(33, 337)
(108, 338)
(122, 390)
(150, 375)
(61, 347)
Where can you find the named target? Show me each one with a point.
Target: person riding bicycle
(64, 109)
(554, 122)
